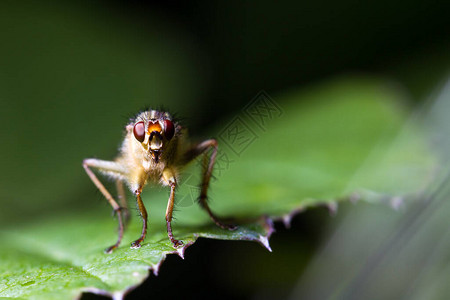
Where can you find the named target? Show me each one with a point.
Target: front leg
(169, 177)
(169, 211)
(143, 211)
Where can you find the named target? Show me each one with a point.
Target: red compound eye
(169, 129)
(139, 131)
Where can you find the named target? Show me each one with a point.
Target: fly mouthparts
(155, 155)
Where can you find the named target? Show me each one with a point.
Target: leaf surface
(346, 139)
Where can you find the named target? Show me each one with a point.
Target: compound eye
(169, 129)
(139, 131)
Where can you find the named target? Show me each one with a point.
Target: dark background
(254, 45)
(205, 60)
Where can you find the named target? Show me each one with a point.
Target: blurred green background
(72, 73)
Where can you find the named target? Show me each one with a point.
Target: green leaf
(342, 140)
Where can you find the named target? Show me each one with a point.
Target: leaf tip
(287, 218)
(332, 208)
(155, 267)
(263, 240)
(118, 296)
(180, 251)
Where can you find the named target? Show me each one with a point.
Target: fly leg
(114, 169)
(169, 213)
(123, 202)
(208, 165)
(143, 211)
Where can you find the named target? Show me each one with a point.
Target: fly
(155, 149)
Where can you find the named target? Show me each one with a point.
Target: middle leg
(123, 202)
(114, 169)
